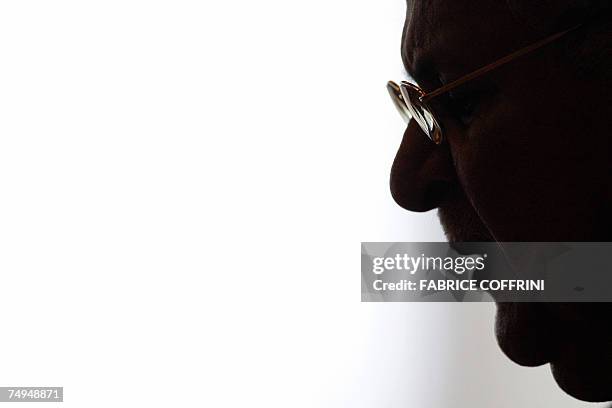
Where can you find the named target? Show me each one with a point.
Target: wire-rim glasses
(412, 102)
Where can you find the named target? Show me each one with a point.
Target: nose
(422, 175)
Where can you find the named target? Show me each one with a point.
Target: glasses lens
(398, 101)
(435, 133)
(406, 99)
(420, 112)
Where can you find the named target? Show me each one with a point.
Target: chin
(582, 365)
(573, 338)
(583, 377)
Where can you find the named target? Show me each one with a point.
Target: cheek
(515, 169)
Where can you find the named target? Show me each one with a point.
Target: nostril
(420, 197)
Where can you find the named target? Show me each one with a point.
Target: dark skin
(526, 157)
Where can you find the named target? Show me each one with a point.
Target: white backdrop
(184, 188)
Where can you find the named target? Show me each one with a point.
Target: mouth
(575, 339)
(524, 331)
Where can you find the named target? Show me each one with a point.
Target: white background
(184, 187)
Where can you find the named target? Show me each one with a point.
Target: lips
(525, 331)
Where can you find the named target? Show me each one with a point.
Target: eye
(463, 106)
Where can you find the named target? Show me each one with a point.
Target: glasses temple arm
(495, 64)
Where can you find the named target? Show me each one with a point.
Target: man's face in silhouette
(526, 158)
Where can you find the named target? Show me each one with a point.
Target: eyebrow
(418, 62)
(421, 69)
(498, 63)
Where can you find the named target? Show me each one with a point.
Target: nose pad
(422, 175)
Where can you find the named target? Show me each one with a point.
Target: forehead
(453, 37)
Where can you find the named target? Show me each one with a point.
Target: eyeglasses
(413, 103)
